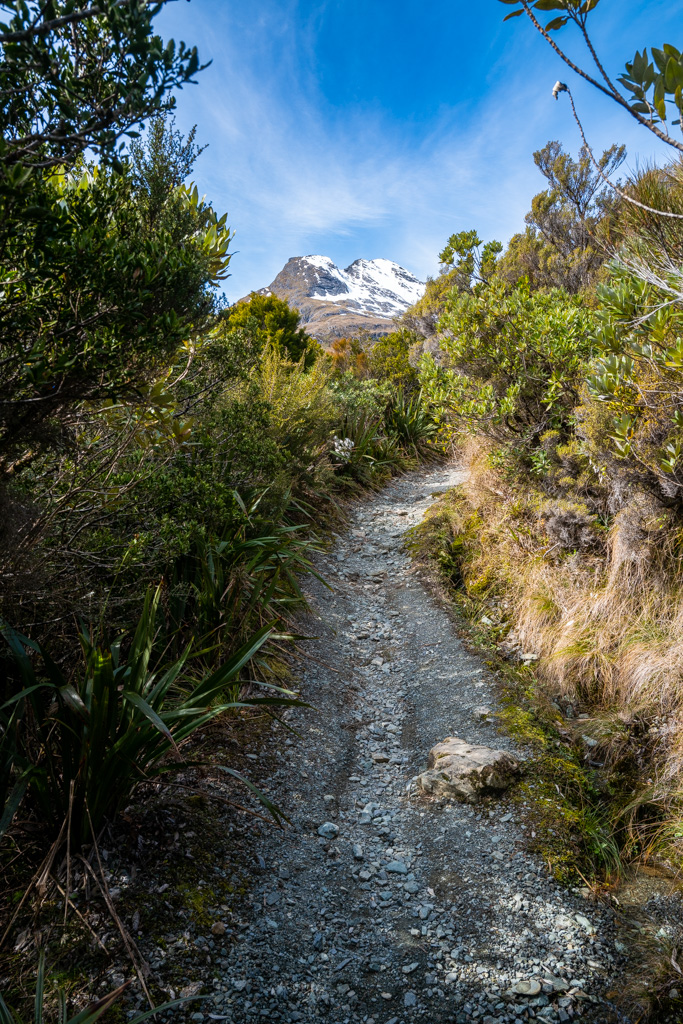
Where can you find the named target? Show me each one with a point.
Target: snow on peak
(372, 286)
(322, 262)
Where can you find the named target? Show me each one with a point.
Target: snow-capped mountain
(365, 297)
(373, 286)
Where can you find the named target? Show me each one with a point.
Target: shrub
(389, 361)
(638, 379)
(271, 322)
(515, 360)
(411, 421)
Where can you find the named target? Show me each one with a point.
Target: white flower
(343, 446)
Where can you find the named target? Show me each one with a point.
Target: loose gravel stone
(329, 830)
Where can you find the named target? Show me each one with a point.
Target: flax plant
(81, 746)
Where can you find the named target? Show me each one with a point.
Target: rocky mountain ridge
(365, 297)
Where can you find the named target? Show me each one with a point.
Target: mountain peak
(364, 297)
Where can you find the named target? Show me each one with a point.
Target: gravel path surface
(380, 905)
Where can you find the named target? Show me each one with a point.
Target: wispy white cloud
(297, 175)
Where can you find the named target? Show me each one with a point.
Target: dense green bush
(270, 321)
(389, 360)
(515, 360)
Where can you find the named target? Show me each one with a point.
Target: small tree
(389, 360)
(570, 223)
(96, 297)
(162, 162)
(468, 261)
(271, 322)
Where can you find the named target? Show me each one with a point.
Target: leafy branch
(77, 76)
(652, 84)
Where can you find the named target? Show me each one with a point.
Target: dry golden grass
(605, 620)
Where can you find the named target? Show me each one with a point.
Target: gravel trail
(379, 905)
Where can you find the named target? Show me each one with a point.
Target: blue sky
(377, 128)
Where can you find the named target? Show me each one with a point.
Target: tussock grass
(602, 620)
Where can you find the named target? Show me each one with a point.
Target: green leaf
(93, 1012)
(14, 800)
(674, 74)
(660, 58)
(659, 101)
(556, 23)
(6, 1015)
(137, 701)
(40, 986)
(73, 700)
(513, 14)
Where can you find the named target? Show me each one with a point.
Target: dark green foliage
(272, 322)
(389, 360)
(632, 424)
(166, 464)
(76, 76)
(95, 297)
(412, 422)
(90, 738)
(161, 163)
(365, 452)
(221, 590)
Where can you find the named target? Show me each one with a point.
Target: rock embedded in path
(526, 988)
(467, 772)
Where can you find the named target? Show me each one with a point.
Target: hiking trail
(379, 905)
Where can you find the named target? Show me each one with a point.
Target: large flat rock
(467, 772)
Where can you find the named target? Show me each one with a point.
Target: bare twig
(225, 800)
(619, 192)
(309, 657)
(101, 883)
(38, 881)
(69, 902)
